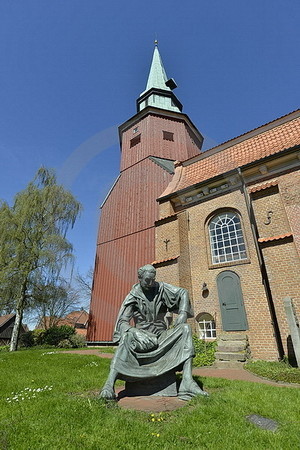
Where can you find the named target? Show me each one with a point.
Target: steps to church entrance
(232, 350)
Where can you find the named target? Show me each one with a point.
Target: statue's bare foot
(108, 393)
(190, 389)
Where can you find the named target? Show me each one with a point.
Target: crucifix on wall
(166, 241)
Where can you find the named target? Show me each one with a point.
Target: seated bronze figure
(149, 349)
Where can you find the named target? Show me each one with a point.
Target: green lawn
(64, 413)
(274, 370)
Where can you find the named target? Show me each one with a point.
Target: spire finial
(156, 42)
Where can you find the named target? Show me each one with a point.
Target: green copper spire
(158, 91)
(157, 76)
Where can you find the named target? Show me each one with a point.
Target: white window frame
(226, 237)
(207, 327)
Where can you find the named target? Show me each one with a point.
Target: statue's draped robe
(171, 347)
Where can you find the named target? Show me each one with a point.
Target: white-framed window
(226, 238)
(207, 326)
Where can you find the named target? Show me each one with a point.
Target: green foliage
(64, 412)
(4, 348)
(74, 341)
(65, 343)
(54, 335)
(205, 352)
(33, 244)
(63, 337)
(38, 336)
(77, 341)
(26, 339)
(273, 370)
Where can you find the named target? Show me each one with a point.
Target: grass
(104, 349)
(69, 416)
(277, 371)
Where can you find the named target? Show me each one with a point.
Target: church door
(231, 302)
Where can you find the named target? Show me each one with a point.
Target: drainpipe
(265, 279)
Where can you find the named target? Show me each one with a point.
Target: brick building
(229, 231)
(225, 226)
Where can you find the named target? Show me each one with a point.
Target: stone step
(228, 365)
(228, 346)
(230, 356)
(232, 337)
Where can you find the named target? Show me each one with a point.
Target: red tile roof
(264, 186)
(77, 317)
(165, 260)
(72, 319)
(275, 238)
(166, 218)
(267, 140)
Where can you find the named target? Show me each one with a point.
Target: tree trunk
(19, 316)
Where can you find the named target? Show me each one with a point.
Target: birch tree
(33, 244)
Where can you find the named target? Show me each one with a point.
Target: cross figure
(166, 241)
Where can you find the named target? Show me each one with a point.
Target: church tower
(151, 141)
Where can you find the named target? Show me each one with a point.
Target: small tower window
(167, 136)
(135, 130)
(136, 140)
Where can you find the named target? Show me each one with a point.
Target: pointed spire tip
(156, 42)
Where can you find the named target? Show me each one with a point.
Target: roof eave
(243, 137)
(228, 173)
(161, 112)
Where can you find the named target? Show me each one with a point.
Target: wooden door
(231, 302)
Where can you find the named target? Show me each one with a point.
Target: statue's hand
(182, 318)
(145, 341)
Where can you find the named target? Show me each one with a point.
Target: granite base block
(163, 386)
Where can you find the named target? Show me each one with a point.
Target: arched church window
(226, 238)
(207, 326)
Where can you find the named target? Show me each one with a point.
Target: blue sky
(71, 70)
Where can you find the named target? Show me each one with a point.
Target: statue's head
(146, 275)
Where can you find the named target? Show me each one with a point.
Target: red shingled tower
(150, 142)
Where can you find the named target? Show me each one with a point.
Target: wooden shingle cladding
(126, 238)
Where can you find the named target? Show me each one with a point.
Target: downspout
(265, 279)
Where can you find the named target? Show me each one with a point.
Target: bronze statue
(149, 349)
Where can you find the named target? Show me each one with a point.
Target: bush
(77, 341)
(26, 339)
(74, 341)
(65, 343)
(54, 335)
(38, 336)
(4, 348)
(277, 371)
(205, 352)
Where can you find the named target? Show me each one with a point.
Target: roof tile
(252, 148)
(264, 186)
(165, 260)
(275, 238)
